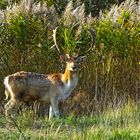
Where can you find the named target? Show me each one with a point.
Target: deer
(25, 86)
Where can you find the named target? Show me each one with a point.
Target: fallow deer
(28, 86)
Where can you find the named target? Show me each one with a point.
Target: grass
(119, 124)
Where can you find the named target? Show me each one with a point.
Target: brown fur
(28, 87)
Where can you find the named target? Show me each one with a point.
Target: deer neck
(68, 75)
(69, 80)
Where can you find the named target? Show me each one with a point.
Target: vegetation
(90, 6)
(108, 90)
(118, 124)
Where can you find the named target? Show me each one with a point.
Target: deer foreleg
(54, 109)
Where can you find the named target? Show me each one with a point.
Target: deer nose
(74, 67)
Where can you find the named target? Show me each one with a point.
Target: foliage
(93, 7)
(3, 4)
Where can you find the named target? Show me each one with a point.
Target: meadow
(122, 123)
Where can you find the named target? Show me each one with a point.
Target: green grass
(119, 124)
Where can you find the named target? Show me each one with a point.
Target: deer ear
(82, 58)
(64, 57)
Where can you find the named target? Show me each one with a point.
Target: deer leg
(51, 114)
(54, 109)
(9, 106)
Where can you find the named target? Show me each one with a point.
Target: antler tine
(92, 33)
(54, 39)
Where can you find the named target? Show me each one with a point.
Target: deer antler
(93, 35)
(54, 39)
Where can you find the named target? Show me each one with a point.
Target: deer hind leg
(10, 106)
(54, 109)
(51, 114)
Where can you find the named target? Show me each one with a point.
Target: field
(118, 124)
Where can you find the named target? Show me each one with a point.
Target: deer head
(74, 59)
